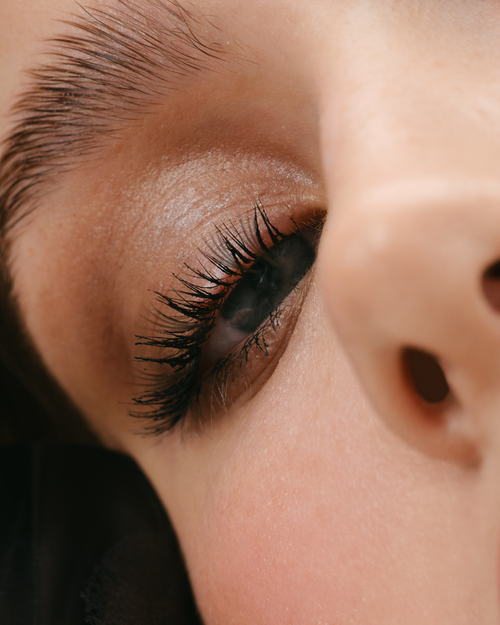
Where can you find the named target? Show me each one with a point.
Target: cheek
(302, 508)
(266, 537)
(273, 504)
(322, 529)
(290, 534)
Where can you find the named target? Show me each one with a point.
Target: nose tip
(412, 282)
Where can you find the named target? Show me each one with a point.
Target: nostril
(491, 285)
(425, 375)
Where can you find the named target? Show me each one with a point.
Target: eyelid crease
(115, 64)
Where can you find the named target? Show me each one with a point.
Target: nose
(410, 276)
(408, 258)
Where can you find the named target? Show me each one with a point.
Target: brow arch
(112, 64)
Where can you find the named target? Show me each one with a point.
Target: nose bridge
(400, 95)
(403, 273)
(409, 139)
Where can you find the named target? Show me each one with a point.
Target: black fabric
(16, 538)
(84, 540)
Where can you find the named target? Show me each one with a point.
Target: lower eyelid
(250, 366)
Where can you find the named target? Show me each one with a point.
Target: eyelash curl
(182, 330)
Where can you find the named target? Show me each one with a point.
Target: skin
(330, 494)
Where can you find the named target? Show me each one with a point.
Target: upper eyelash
(192, 312)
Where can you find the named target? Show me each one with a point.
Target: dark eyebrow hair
(115, 62)
(110, 66)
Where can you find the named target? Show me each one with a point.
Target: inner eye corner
(311, 228)
(426, 377)
(490, 283)
(314, 220)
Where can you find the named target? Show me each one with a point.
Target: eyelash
(191, 314)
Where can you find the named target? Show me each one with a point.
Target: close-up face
(257, 245)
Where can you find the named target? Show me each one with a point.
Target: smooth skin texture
(330, 494)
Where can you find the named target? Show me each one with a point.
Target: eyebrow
(115, 63)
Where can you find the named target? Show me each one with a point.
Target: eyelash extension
(191, 315)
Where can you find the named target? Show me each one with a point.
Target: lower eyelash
(226, 369)
(191, 314)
